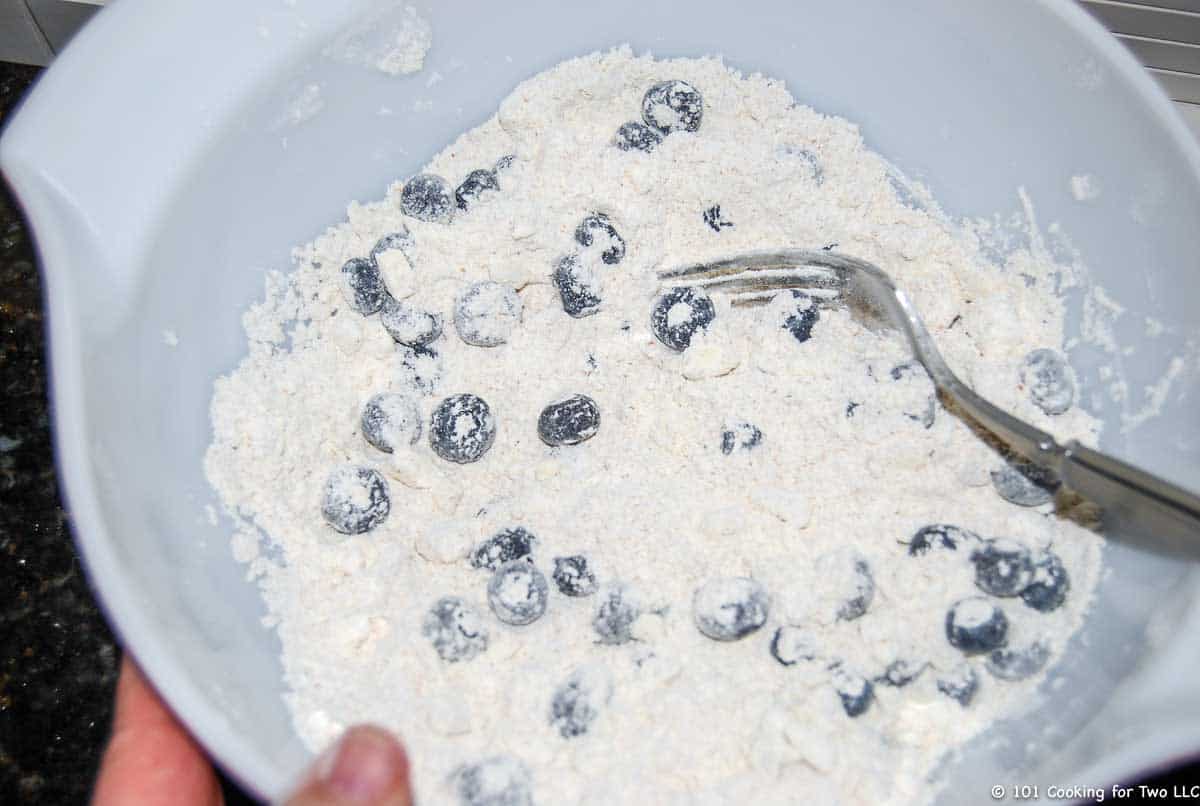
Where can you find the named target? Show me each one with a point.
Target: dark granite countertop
(59, 659)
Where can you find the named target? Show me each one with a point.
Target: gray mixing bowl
(162, 174)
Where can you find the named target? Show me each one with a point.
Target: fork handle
(1139, 508)
(1153, 513)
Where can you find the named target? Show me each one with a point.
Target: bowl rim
(41, 202)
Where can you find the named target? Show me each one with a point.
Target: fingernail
(365, 766)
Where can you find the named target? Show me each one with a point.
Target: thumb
(366, 767)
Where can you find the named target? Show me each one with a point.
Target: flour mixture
(581, 539)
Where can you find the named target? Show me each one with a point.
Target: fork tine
(745, 283)
(755, 277)
(750, 261)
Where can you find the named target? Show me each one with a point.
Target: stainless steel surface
(1136, 506)
(1164, 35)
(1183, 57)
(33, 31)
(1139, 19)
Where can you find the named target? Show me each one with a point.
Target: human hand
(151, 759)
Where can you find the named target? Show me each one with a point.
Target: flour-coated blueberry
(615, 616)
(514, 543)
(1048, 589)
(940, 536)
(671, 106)
(854, 690)
(801, 316)
(569, 421)
(636, 136)
(678, 314)
(1047, 377)
(517, 593)
(598, 228)
(363, 285)
(426, 197)
(579, 701)
(355, 499)
(790, 645)
(494, 781)
(579, 286)
(959, 684)
(1002, 567)
(730, 608)
(573, 576)
(462, 429)
(455, 629)
(473, 187)
(1023, 483)
(1013, 664)
(739, 435)
(976, 625)
(390, 421)
(409, 325)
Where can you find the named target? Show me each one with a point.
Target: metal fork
(1137, 507)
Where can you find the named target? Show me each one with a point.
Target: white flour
(826, 470)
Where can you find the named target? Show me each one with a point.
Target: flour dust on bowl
(586, 529)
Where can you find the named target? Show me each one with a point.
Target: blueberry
(486, 313)
(976, 625)
(1018, 664)
(900, 673)
(671, 106)
(1023, 483)
(454, 628)
(474, 186)
(573, 577)
(678, 314)
(855, 691)
(940, 536)
(408, 324)
(391, 420)
(1002, 567)
(578, 286)
(355, 499)
(739, 435)
(579, 700)
(517, 593)
(1050, 584)
(636, 136)
(1047, 376)
(862, 592)
(363, 285)
(495, 781)
(960, 684)
(598, 226)
(712, 216)
(503, 547)
(569, 421)
(790, 645)
(801, 316)
(729, 608)
(504, 163)
(462, 429)
(420, 369)
(426, 197)
(614, 618)
(401, 239)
